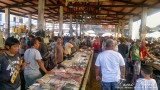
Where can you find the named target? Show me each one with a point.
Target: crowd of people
(26, 60)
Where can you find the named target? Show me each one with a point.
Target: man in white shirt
(112, 67)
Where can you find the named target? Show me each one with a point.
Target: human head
(39, 39)
(22, 40)
(73, 39)
(79, 38)
(153, 45)
(70, 40)
(146, 70)
(59, 40)
(35, 43)
(138, 43)
(12, 45)
(133, 43)
(31, 37)
(110, 44)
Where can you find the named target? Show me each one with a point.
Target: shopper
(112, 67)
(9, 62)
(23, 46)
(58, 52)
(123, 49)
(32, 55)
(78, 42)
(146, 83)
(29, 40)
(136, 60)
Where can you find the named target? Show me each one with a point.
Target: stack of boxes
(21, 29)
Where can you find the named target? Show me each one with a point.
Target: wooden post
(7, 22)
(61, 21)
(29, 23)
(123, 23)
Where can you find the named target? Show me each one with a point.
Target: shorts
(137, 66)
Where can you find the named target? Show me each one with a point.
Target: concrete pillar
(29, 23)
(7, 23)
(130, 26)
(41, 5)
(143, 22)
(61, 21)
(71, 29)
(123, 23)
(76, 27)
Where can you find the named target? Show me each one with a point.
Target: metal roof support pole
(71, 29)
(44, 26)
(143, 21)
(123, 23)
(76, 27)
(61, 21)
(7, 22)
(29, 23)
(41, 5)
(130, 26)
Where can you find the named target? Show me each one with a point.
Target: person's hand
(49, 72)
(25, 65)
(123, 76)
(141, 58)
(98, 78)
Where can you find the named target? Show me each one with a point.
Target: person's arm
(55, 59)
(4, 73)
(122, 69)
(134, 53)
(76, 48)
(64, 52)
(97, 68)
(150, 55)
(41, 65)
(130, 56)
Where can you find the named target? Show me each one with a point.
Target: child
(146, 83)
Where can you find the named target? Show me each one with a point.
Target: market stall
(73, 74)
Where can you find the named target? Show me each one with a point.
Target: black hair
(33, 42)
(57, 38)
(31, 36)
(39, 39)
(137, 41)
(146, 69)
(10, 41)
(132, 43)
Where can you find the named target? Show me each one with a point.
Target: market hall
(79, 45)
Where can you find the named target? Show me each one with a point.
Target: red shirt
(96, 45)
(142, 53)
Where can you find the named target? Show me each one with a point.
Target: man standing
(10, 66)
(136, 60)
(68, 47)
(32, 55)
(112, 67)
(58, 52)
